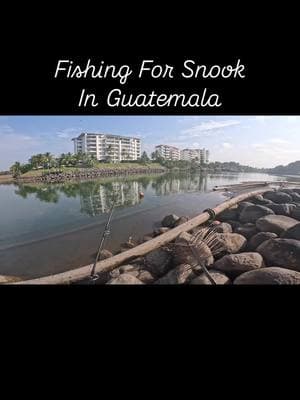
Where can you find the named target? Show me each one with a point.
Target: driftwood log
(80, 274)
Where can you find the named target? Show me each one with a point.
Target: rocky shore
(88, 173)
(255, 242)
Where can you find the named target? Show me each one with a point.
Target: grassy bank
(6, 178)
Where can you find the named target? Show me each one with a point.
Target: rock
(218, 277)
(183, 273)
(283, 253)
(169, 221)
(282, 209)
(260, 200)
(253, 213)
(181, 221)
(243, 205)
(223, 227)
(145, 276)
(158, 262)
(231, 242)
(234, 224)
(183, 254)
(236, 264)
(125, 279)
(104, 254)
(146, 238)
(229, 214)
(292, 233)
(275, 223)
(278, 197)
(10, 279)
(247, 230)
(295, 197)
(269, 276)
(296, 213)
(259, 238)
(160, 231)
(127, 268)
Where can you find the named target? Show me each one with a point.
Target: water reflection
(97, 196)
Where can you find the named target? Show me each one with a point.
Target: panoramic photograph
(150, 200)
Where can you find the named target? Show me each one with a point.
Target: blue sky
(258, 141)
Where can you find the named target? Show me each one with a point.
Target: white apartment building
(168, 152)
(104, 147)
(200, 155)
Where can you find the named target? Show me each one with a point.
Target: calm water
(46, 229)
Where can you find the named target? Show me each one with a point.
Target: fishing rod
(105, 233)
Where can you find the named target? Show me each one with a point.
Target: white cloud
(227, 145)
(6, 129)
(208, 126)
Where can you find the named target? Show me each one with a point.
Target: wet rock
(296, 213)
(234, 224)
(269, 276)
(169, 221)
(283, 253)
(234, 265)
(160, 231)
(231, 242)
(218, 277)
(295, 197)
(229, 214)
(223, 227)
(104, 254)
(145, 276)
(253, 213)
(292, 233)
(247, 230)
(125, 279)
(282, 209)
(260, 200)
(278, 197)
(275, 223)
(158, 262)
(259, 238)
(181, 221)
(183, 273)
(243, 205)
(183, 254)
(130, 244)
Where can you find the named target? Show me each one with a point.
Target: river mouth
(47, 229)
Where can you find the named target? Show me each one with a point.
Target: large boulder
(223, 227)
(260, 200)
(278, 197)
(242, 205)
(253, 213)
(292, 233)
(259, 238)
(236, 264)
(234, 224)
(231, 242)
(229, 214)
(158, 262)
(125, 279)
(180, 221)
(296, 213)
(269, 276)
(183, 273)
(247, 230)
(282, 209)
(145, 276)
(275, 223)
(295, 197)
(218, 277)
(169, 221)
(283, 253)
(184, 254)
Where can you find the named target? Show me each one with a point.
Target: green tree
(15, 169)
(145, 158)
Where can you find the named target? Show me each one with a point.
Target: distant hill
(290, 169)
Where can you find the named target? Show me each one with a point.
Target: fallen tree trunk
(111, 263)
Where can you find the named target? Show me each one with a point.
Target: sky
(259, 141)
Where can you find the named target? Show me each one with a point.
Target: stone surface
(275, 223)
(296, 213)
(259, 238)
(260, 200)
(146, 238)
(247, 230)
(169, 221)
(125, 279)
(218, 277)
(253, 213)
(283, 253)
(183, 254)
(223, 227)
(234, 224)
(160, 231)
(236, 264)
(183, 273)
(229, 214)
(180, 221)
(278, 197)
(282, 209)
(232, 242)
(127, 268)
(158, 262)
(9, 279)
(269, 276)
(242, 205)
(105, 254)
(145, 276)
(292, 233)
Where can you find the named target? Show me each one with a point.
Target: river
(46, 229)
